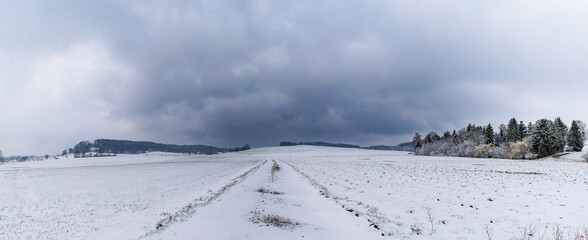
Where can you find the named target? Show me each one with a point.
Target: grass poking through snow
(273, 220)
(263, 190)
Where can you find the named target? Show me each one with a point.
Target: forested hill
(407, 146)
(125, 146)
(323, 144)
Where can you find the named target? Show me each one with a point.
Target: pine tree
(542, 138)
(456, 139)
(512, 131)
(501, 133)
(575, 137)
(489, 134)
(560, 132)
(582, 127)
(523, 130)
(432, 137)
(446, 135)
(497, 140)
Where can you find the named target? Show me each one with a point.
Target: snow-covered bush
(466, 149)
(426, 150)
(447, 148)
(519, 149)
(436, 149)
(530, 155)
(483, 151)
(500, 151)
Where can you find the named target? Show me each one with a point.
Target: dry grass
(275, 168)
(530, 232)
(273, 220)
(488, 230)
(267, 191)
(430, 219)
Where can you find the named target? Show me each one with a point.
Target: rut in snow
(189, 210)
(375, 218)
(261, 218)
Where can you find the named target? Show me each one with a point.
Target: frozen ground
(297, 192)
(119, 197)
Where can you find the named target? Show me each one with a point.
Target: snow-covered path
(275, 203)
(401, 196)
(121, 197)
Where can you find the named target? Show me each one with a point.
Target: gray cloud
(259, 72)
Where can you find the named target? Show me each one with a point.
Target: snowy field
(299, 192)
(119, 197)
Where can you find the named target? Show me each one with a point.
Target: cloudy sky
(226, 73)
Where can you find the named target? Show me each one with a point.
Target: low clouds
(227, 73)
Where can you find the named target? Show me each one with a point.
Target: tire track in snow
(270, 197)
(376, 219)
(189, 210)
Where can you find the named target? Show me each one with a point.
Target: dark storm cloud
(335, 71)
(259, 72)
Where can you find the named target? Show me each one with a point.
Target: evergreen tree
(446, 135)
(489, 134)
(582, 127)
(456, 139)
(560, 132)
(542, 138)
(416, 142)
(575, 137)
(523, 130)
(432, 137)
(497, 139)
(502, 133)
(512, 131)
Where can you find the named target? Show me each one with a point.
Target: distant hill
(323, 144)
(125, 146)
(407, 146)
(137, 146)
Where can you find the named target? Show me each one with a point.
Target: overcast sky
(226, 73)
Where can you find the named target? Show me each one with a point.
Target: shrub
(519, 149)
(483, 151)
(467, 149)
(500, 151)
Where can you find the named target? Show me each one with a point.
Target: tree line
(514, 140)
(110, 147)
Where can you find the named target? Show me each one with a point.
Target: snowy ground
(119, 197)
(297, 192)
